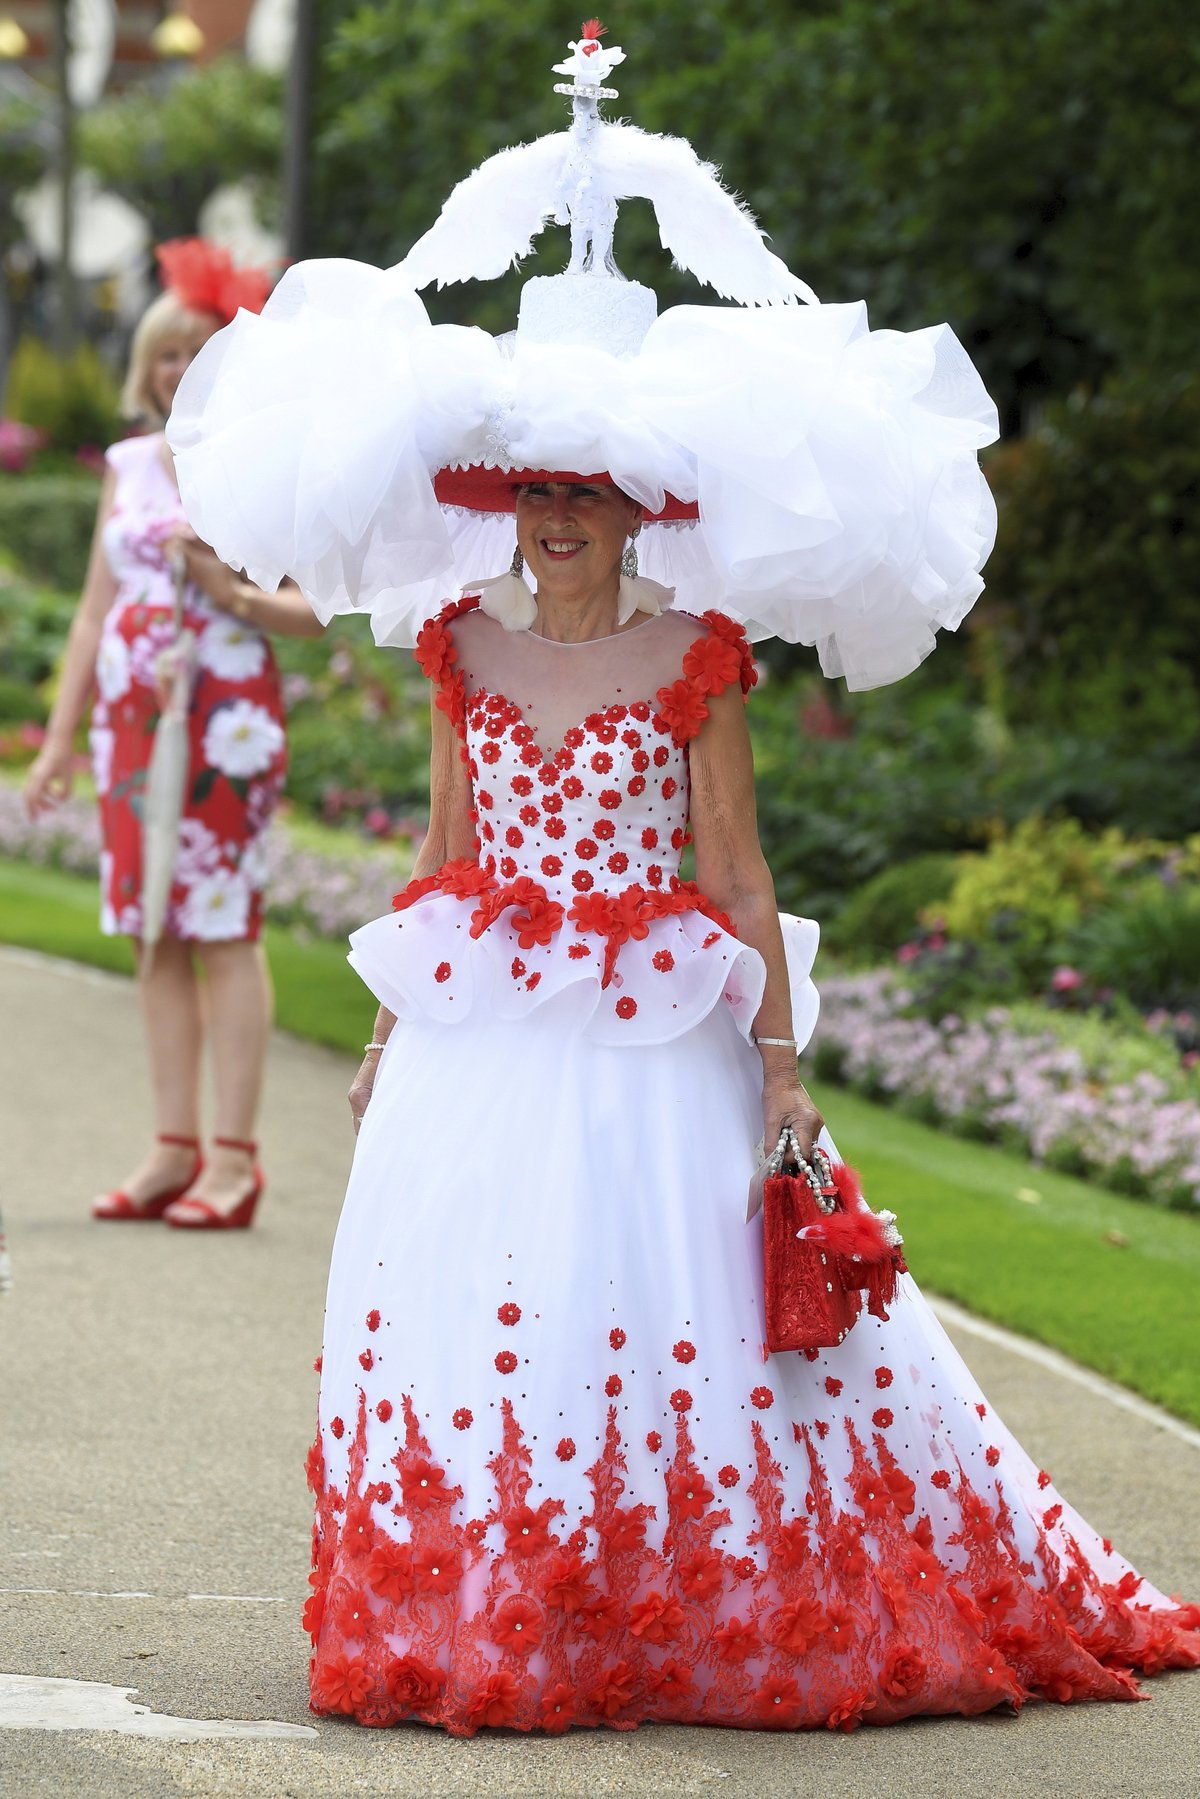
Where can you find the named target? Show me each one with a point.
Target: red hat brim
(495, 490)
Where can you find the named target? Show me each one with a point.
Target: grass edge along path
(1109, 1281)
(318, 996)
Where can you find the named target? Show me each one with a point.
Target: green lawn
(1112, 1282)
(317, 993)
(1014, 1243)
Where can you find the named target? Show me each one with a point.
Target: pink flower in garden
(378, 822)
(1066, 980)
(17, 444)
(908, 952)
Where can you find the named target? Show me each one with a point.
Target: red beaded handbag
(824, 1250)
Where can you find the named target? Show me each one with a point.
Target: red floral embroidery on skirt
(830, 1618)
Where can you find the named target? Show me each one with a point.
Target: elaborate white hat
(816, 480)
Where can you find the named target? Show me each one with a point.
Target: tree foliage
(1021, 167)
(22, 152)
(165, 152)
(1092, 611)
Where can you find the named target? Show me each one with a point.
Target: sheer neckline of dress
(555, 693)
(582, 643)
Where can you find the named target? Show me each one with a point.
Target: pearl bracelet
(368, 1047)
(777, 1043)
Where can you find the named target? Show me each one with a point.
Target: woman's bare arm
(49, 778)
(284, 613)
(732, 871)
(451, 835)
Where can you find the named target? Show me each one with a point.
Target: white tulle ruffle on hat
(816, 480)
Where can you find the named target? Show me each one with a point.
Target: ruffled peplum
(427, 962)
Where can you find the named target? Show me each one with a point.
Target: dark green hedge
(1092, 611)
(46, 525)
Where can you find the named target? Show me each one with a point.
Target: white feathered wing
(492, 217)
(705, 228)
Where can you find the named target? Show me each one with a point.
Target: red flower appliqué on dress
(713, 661)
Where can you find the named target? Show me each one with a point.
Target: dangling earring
(629, 562)
(517, 565)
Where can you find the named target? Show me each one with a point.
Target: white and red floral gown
(238, 747)
(558, 1479)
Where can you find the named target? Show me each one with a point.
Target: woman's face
(171, 359)
(572, 535)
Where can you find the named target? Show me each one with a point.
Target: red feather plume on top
(204, 277)
(594, 29)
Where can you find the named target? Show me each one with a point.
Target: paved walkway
(155, 1406)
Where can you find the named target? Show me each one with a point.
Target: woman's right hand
(361, 1088)
(50, 777)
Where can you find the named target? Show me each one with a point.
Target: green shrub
(74, 398)
(1028, 891)
(949, 977)
(358, 724)
(884, 912)
(46, 525)
(20, 704)
(1146, 947)
(1092, 613)
(33, 629)
(1115, 1044)
(926, 767)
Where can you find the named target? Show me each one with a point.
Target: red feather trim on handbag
(823, 1247)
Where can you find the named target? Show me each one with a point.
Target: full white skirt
(560, 1480)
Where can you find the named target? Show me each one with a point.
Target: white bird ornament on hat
(577, 178)
(591, 64)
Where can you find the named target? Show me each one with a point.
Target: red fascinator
(204, 277)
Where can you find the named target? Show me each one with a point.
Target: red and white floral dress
(236, 725)
(558, 1479)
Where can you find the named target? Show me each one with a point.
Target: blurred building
(222, 23)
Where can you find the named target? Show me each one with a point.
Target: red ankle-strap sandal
(119, 1208)
(195, 1214)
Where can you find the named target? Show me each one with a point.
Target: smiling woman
(572, 536)
(559, 1475)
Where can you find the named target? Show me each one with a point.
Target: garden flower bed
(1002, 1078)
(327, 894)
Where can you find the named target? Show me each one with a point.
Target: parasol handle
(178, 567)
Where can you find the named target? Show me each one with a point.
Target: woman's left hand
(206, 570)
(786, 1103)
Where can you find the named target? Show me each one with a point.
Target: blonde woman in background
(209, 971)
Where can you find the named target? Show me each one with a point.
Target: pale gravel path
(155, 1405)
